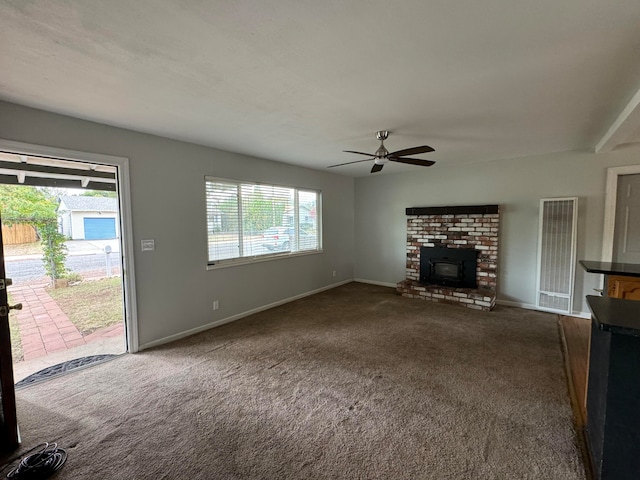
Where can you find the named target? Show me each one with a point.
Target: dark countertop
(616, 315)
(611, 268)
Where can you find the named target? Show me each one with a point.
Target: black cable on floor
(40, 462)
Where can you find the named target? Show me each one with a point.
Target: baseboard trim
(218, 323)
(506, 303)
(374, 282)
(530, 306)
(509, 303)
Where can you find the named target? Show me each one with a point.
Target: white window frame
(243, 260)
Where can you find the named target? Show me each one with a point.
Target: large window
(251, 220)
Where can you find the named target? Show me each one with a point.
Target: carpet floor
(352, 383)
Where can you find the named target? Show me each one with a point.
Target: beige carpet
(352, 383)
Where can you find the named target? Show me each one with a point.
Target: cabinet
(622, 280)
(619, 286)
(613, 392)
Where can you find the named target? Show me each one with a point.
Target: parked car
(308, 239)
(283, 238)
(277, 238)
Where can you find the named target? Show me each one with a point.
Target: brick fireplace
(460, 227)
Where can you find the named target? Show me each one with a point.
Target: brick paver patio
(44, 327)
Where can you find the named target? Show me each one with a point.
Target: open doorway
(63, 234)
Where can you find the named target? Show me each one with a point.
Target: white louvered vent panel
(557, 253)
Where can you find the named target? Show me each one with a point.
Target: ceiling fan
(383, 155)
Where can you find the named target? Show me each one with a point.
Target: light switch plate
(148, 245)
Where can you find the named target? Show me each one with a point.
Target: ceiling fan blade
(359, 153)
(413, 151)
(411, 161)
(376, 168)
(348, 163)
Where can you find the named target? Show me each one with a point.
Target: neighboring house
(88, 218)
(306, 215)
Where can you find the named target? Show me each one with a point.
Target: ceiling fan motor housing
(381, 154)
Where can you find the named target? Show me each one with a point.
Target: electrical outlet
(334, 273)
(216, 305)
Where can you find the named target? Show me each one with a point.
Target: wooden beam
(50, 170)
(625, 128)
(57, 182)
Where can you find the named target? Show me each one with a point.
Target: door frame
(126, 224)
(9, 434)
(611, 195)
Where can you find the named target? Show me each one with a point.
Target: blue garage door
(99, 228)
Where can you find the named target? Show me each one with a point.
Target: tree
(261, 213)
(99, 193)
(37, 207)
(26, 204)
(54, 250)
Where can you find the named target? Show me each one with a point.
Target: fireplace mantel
(468, 227)
(455, 210)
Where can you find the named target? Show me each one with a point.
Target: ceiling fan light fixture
(382, 155)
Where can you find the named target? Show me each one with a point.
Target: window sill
(261, 258)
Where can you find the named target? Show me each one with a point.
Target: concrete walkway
(46, 330)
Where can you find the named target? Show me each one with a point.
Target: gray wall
(516, 185)
(174, 290)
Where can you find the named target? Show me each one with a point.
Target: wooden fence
(18, 233)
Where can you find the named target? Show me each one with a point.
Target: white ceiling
(299, 81)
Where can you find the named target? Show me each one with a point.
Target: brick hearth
(476, 227)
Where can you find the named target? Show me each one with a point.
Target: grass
(34, 248)
(91, 305)
(16, 340)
